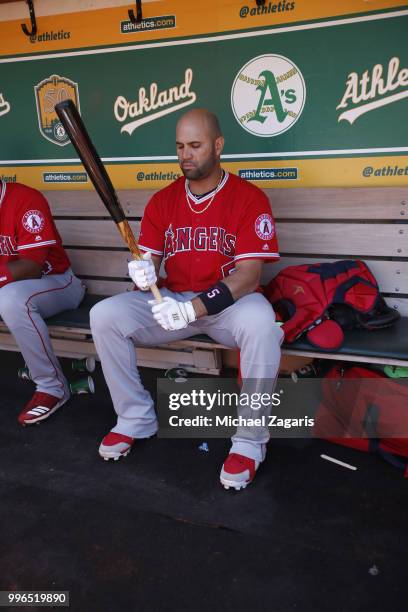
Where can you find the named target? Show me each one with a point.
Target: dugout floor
(157, 532)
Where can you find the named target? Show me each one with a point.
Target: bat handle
(128, 237)
(156, 293)
(153, 288)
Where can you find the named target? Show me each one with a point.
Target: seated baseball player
(36, 282)
(213, 231)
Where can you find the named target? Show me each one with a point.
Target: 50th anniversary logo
(48, 93)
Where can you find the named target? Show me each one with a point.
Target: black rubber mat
(156, 531)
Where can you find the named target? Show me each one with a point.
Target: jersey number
(213, 293)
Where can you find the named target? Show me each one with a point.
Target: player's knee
(275, 336)
(260, 321)
(101, 316)
(261, 329)
(11, 304)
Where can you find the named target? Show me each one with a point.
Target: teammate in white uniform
(213, 231)
(36, 282)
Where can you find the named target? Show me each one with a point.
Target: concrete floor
(156, 531)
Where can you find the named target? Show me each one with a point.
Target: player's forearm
(240, 283)
(199, 308)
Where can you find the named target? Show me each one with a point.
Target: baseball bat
(76, 130)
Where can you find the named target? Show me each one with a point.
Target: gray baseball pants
(23, 307)
(124, 321)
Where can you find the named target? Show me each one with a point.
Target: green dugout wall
(318, 102)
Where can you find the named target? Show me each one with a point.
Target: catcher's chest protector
(301, 295)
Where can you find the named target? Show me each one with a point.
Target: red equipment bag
(322, 299)
(366, 410)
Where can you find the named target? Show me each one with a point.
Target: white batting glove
(142, 271)
(171, 314)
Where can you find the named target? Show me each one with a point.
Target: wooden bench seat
(313, 225)
(386, 345)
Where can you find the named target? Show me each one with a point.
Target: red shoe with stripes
(40, 407)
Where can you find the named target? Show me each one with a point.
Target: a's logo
(360, 90)
(147, 106)
(4, 105)
(264, 227)
(33, 221)
(298, 289)
(47, 94)
(268, 95)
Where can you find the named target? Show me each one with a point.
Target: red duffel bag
(366, 410)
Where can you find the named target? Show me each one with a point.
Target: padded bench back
(316, 224)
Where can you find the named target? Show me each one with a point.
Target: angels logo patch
(264, 227)
(33, 221)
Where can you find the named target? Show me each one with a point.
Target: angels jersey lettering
(27, 229)
(200, 246)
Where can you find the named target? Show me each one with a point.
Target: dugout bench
(313, 225)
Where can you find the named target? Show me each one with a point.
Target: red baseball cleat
(115, 445)
(40, 407)
(238, 471)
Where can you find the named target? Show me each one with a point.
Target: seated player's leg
(249, 325)
(119, 324)
(23, 307)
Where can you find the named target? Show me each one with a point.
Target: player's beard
(203, 170)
